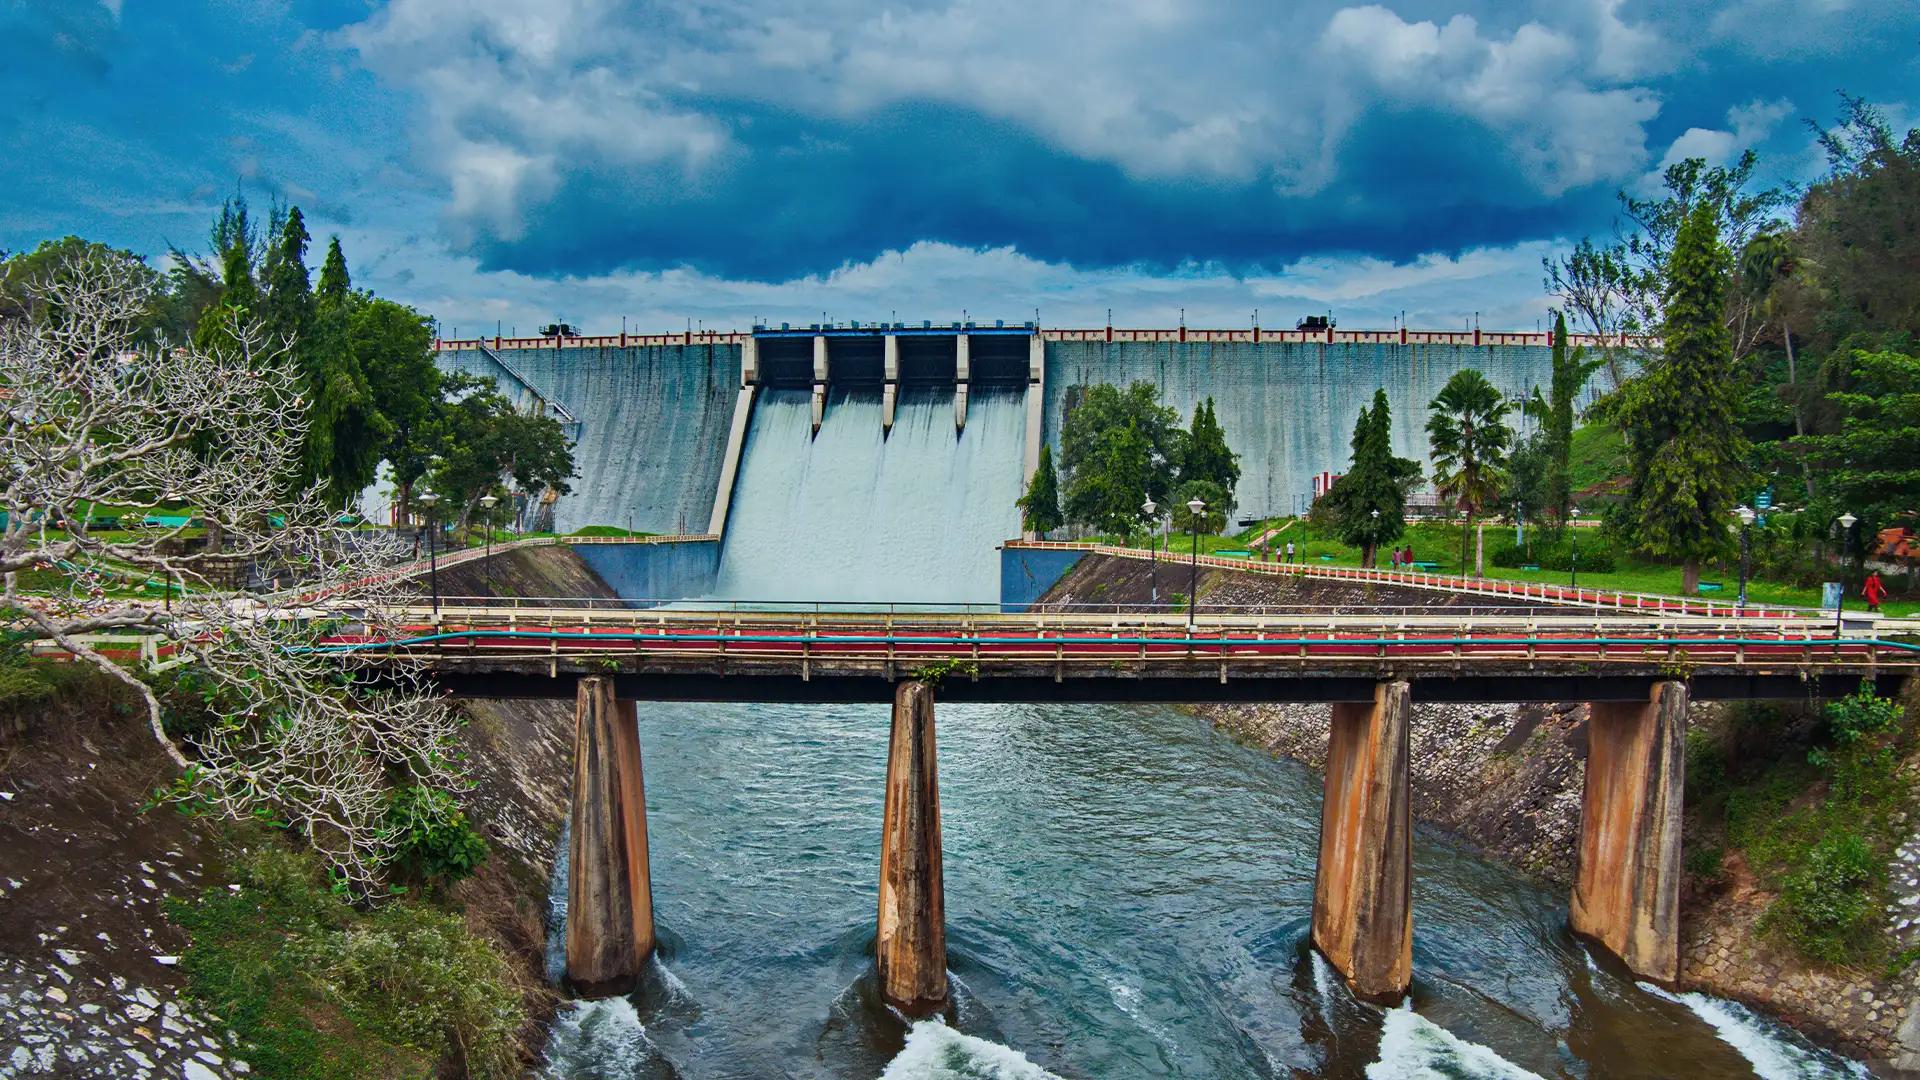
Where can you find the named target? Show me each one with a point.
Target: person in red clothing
(1874, 590)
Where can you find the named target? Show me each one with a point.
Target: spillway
(852, 515)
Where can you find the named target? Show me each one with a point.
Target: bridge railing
(1530, 591)
(986, 646)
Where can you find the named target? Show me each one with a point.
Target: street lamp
(1573, 538)
(1150, 509)
(428, 499)
(1373, 545)
(1194, 507)
(486, 521)
(1746, 551)
(1847, 522)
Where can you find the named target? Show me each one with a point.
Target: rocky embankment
(88, 982)
(1507, 780)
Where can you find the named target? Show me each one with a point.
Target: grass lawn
(1440, 543)
(1599, 454)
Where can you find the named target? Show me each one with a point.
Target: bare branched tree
(99, 421)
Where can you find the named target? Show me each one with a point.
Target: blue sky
(726, 160)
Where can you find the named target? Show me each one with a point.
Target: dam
(660, 421)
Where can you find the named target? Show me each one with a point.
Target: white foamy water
(1770, 1049)
(600, 1038)
(935, 1051)
(850, 516)
(1414, 1048)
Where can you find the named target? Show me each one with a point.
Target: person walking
(1874, 590)
(1289, 551)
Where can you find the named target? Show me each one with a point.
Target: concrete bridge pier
(910, 949)
(609, 892)
(1626, 895)
(1362, 888)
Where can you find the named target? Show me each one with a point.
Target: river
(1127, 895)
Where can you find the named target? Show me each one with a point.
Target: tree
(1871, 466)
(1040, 506)
(1369, 502)
(1679, 414)
(394, 346)
(1212, 518)
(1469, 436)
(1528, 488)
(1571, 370)
(1117, 448)
(22, 276)
(1205, 458)
(335, 283)
(482, 440)
(94, 415)
(1859, 228)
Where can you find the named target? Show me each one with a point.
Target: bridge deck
(1128, 657)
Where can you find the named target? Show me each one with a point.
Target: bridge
(1638, 669)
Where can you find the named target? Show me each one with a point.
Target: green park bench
(1429, 567)
(1326, 558)
(1233, 554)
(1530, 566)
(1711, 586)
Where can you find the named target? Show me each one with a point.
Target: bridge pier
(1626, 895)
(910, 949)
(609, 892)
(1362, 888)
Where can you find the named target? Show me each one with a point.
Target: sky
(721, 162)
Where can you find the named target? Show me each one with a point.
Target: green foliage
(1678, 416)
(1599, 455)
(1212, 520)
(433, 842)
(1818, 830)
(1117, 449)
(1595, 557)
(1469, 437)
(1368, 504)
(1205, 458)
(320, 990)
(482, 438)
(1571, 370)
(335, 283)
(1870, 465)
(1827, 907)
(1040, 506)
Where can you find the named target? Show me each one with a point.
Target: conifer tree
(1040, 506)
(1205, 457)
(1375, 481)
(335, 283)
(1571, 369)
(1679, 416)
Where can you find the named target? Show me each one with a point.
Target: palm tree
(1469, 437)
(1765, 263)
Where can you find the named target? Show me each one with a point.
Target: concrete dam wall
(657, 419)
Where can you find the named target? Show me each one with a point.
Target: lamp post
(1746, 551)
(1195, 507)
(1573, 538)
(1150, 509)
(428, 499)
(486, 522)
(1373, 546)
(167, 600)
(1847, 522)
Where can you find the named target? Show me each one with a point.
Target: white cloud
(112, 6)
(1747, 126)
(1224, 91)
(1529, 87)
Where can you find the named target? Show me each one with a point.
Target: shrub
(1594, 557)
(432, 840)
(321, 990)
(1828, 907)
(1861, 714)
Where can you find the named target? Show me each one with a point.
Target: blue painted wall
(1027, 573)
(654, 572)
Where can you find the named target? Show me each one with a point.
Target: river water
(1127, 891)
(1127, 896)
